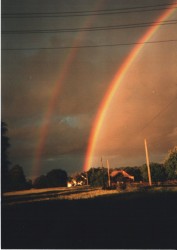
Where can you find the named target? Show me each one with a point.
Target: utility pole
(101, 162)
(109, 181)
(147, 161)
(102, 172)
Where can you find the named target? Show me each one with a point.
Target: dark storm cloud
(29, 79)
(27, 83)
(64, 136)
(67, 137)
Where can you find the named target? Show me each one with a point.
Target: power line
(88, 46)
(158, 114)
(89, 13)
(98, 28)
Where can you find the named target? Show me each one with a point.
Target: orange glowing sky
(127, 113)
(131, 115)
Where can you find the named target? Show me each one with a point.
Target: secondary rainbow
(43, 132)
(115, 83)
(44, 129)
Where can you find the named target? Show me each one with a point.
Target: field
(84, 217)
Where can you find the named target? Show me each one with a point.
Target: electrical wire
(98, 28)
(88, 13)
(88, 46)
(158, 114)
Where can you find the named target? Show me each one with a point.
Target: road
(34, 195)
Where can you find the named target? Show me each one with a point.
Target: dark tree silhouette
(157, 172)
(54, 178)
(40, 182)
(134, 171)
(4, 157)
(98, 176)
(17, 178)
(29, 184)
(171, 164)
(57, 178)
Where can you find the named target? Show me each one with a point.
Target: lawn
(94, 219)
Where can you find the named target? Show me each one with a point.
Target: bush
(40, 182)
(57, 178)
(121, 185)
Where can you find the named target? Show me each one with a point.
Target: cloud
(29, 79)
(66, 135)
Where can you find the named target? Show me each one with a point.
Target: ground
(110, 219)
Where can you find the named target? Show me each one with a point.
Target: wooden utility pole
(147, 161)
(101, 162)
(102, 172)
(109, 181)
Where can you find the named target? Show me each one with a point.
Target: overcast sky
(51, 92)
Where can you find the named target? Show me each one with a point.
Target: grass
(100, 192)
(34, 191)
(88, 195)
(74, 193)
(92, 219)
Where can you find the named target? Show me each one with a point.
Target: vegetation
(55, 178)
(171, 164)
(134, 171)
(98, 177)
(144, 220)
(4, 157)
(14, 178)
(40, 182)
(158, 172)
(17, 179)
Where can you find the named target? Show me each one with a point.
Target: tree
(17, 178)
(134, 171)
(98, 177)
(4, 157)
(57, 178)
(171, 164)
(40, 182)
(157, 172)
(29, 184)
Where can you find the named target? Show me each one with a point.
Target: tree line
(160, 172)
(14, 179)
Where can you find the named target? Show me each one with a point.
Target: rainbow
(115, 83)
(44, 129)
(43, 133)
